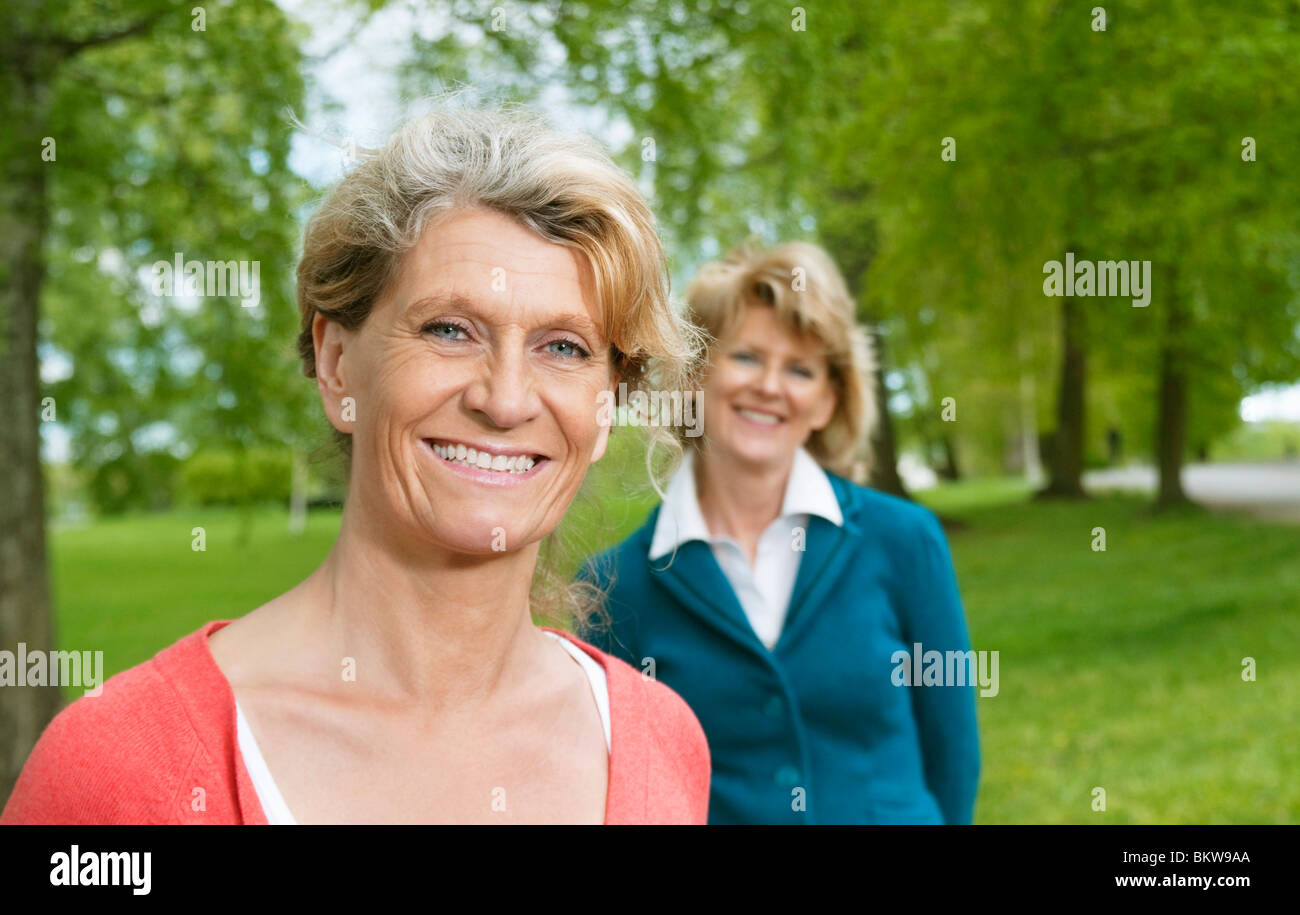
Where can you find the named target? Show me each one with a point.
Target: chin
(474, 534)
(747, 453)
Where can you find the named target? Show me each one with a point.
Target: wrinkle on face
(519, 295)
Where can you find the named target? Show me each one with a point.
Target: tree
(999, 138)
(134, 131)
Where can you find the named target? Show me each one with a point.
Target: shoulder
(663, 738)
(117, 757)
(664, 711)
(607, 567)
(660, 707)
(620, 577)
(655, 731)
(884, 516)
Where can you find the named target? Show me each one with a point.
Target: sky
(372, 106)
(1278, 403)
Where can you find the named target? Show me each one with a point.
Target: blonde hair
(564, 187)
(801, 281)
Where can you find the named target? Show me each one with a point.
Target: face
(475, 383)
(768, 389)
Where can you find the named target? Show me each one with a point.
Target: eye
(744, 356)
(801, 371)
(569, 349)
(444, 330)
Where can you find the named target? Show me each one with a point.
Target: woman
(777, 597)
(466, 295)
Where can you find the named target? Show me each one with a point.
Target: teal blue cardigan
(817, 729)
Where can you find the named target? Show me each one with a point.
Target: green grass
(130, 586)
(1118, 669)
(1122, 669)
(1270, 440)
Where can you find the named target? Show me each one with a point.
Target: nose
(769, 381)
(504, 393)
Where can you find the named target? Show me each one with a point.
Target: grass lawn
(1123, 669)
(1118, 669)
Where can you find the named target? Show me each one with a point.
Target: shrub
(237, 477)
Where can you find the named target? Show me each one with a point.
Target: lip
(478, 474)
(489, 447)
(779, 419)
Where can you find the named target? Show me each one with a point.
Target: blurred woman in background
(776, 596)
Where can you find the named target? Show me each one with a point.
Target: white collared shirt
(764, 590)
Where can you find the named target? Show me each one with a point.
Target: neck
(739, 499)
(422, 623)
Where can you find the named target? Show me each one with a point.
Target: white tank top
(277, 811)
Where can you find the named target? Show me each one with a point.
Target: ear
(330, 339)
(602, 437)
(602, 441)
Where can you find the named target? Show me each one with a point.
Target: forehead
(489, 258)
(760, 327)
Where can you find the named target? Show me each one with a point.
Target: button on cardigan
(819, 729)
(159, 746)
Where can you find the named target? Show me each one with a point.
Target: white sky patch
(55, 365)
(57, 443)
(360, 78)
(1272, 403)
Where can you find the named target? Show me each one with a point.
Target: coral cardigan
(159, 746)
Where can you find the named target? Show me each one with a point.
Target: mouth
(501, 465)
(759, 417)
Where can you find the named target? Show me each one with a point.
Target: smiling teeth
(498, 463)
(767, 418)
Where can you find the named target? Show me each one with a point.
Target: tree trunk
(1171, 409)
(24, 589)
(949, 470)
(1033, 468)
(298, 492)
(1066, 466)
(883, 473)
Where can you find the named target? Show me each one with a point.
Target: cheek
(406, 382)
(715, 401)
(724, 382)
(815, 404)
(733, 376)
(805, 399)
(576, 406)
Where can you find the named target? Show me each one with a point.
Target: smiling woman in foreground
(466, 295)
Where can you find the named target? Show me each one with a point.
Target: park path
(1268, 489)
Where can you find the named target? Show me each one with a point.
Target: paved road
(1267, 489)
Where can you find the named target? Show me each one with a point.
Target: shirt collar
(807, 491)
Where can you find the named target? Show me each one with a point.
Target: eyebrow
(460, 301)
